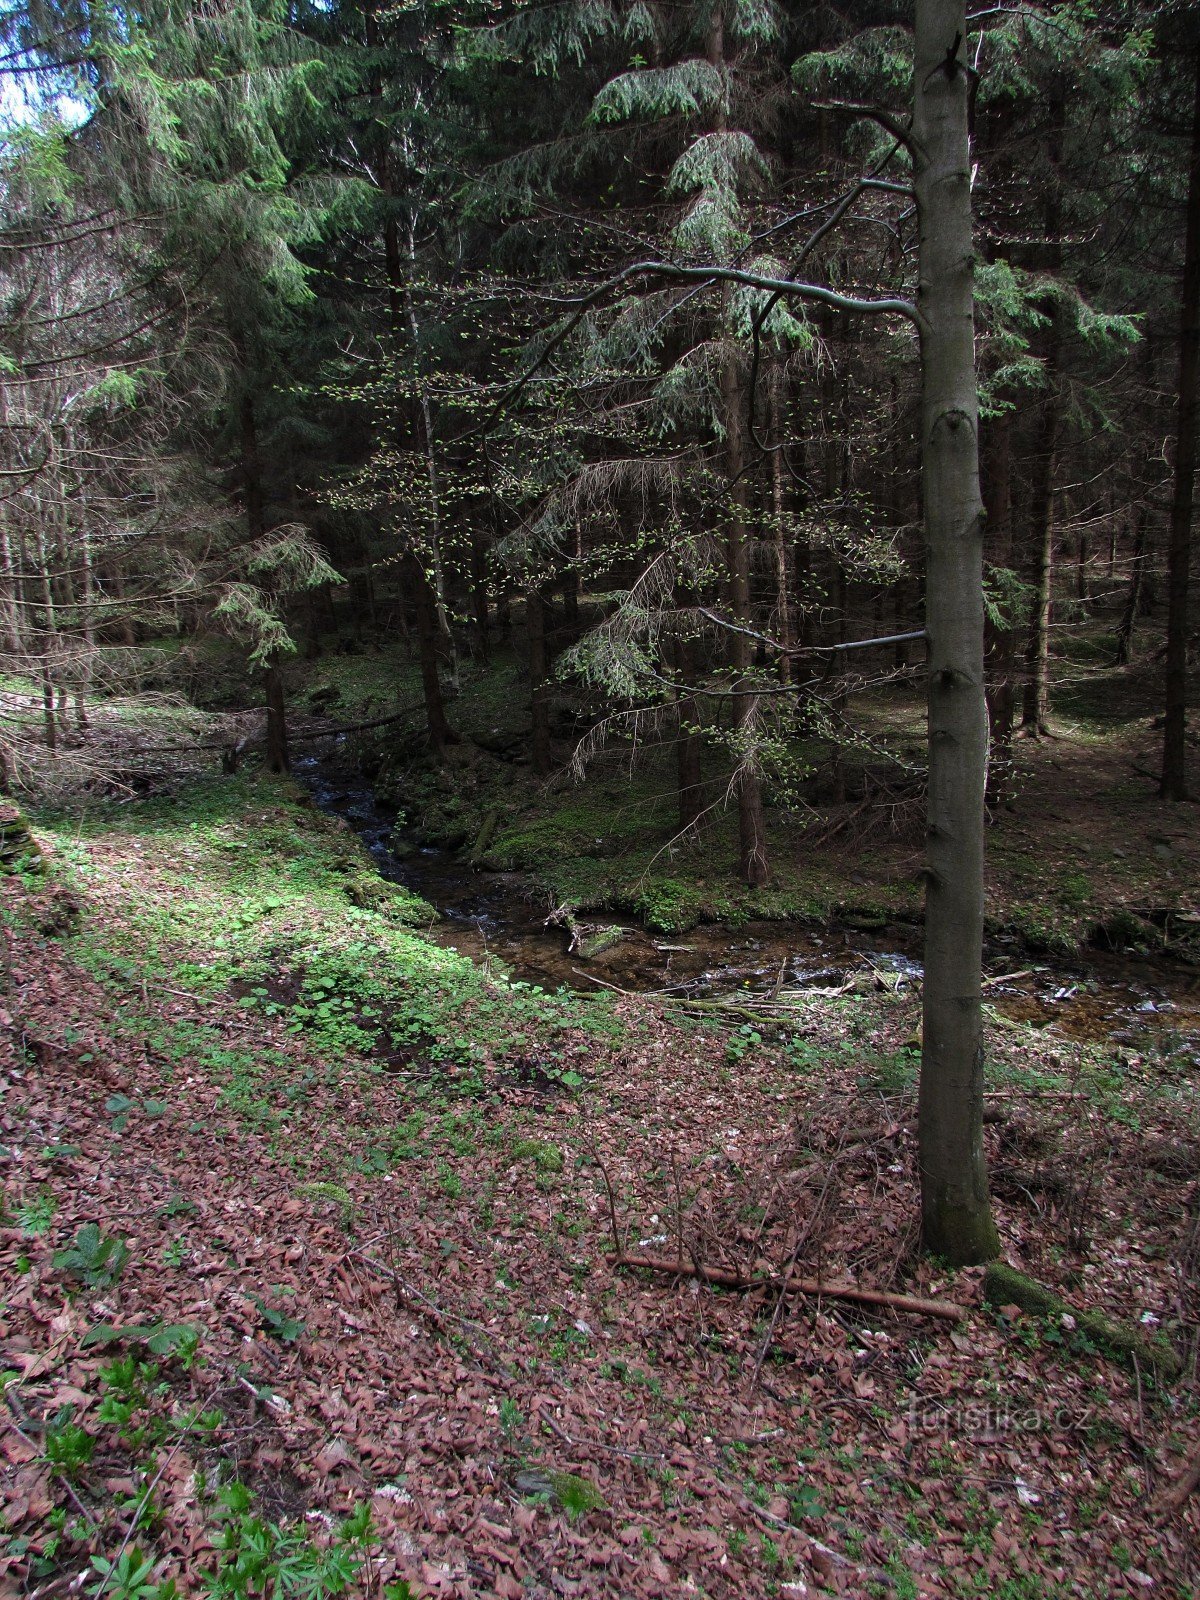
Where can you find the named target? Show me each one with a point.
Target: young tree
(955, 1210)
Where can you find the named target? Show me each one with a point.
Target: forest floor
(306, 1217)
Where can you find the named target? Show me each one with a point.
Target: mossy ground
(1080, 852)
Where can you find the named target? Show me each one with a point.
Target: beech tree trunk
(1174, 763)
(1133, 595)
(1035, 703)
(687, 747)
(254, 504)
(955, 1210)
(752, 842)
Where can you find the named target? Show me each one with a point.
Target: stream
(497, 917)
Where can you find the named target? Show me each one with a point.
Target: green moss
(335, 1193)
(19, 850)
(1004, 1285)
(545, 1157)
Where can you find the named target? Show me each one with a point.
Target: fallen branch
(727, 1279)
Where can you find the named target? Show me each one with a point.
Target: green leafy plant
(511, 1418)
(93, 1258)
(129, 1577)
(741, 1043)
(179, 1339)
(36, 1213)
(69, 1448)
(277, 1323)
(260, 1557)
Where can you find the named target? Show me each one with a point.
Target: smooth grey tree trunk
(955, 1209)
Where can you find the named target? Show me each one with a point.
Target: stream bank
(501, 921)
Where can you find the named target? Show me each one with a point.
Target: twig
(618, 1244)
(431, 1307)
(726, 1279)
(66, 1482)
(136, 1518)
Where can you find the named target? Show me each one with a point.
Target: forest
(599, 870)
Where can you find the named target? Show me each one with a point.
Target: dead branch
(784, 1282)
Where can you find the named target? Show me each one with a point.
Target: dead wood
(787, 1282)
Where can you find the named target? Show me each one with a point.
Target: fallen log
(788, 1282)
(1127, 1342)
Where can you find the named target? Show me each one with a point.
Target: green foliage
(179, 1339)
(94, 1259)
(130, 1577)
(69, 1448)
(36, 1213)
(259, 1557)
(686, 88)
(545, 1157)
(277, 1323)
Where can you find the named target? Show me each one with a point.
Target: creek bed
(499, 918)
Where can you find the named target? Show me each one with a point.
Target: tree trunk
(254, 503)
(278, 757)
(535, 630)
(1000, 637)
(780, 521)
(687, 748)
(955, 1209)
(1036, 701)
(425, 604)
(1179, 555)
(1133, 595)
(752, 843)
(479, 595)
(1035, 704)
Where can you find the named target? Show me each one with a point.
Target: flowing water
(497, 917)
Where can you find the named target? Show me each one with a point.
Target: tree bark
(955, 1210)
(1179, 555)
(687, 748)
(999, 636)
(752, 842)
(539, 703)
(278, 756)
(254, 504)
(780, 519)
(479, 595)
(425, 604)
(1133, 595)
(1036, 701)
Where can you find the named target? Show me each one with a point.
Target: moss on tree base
(1004, 1285)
